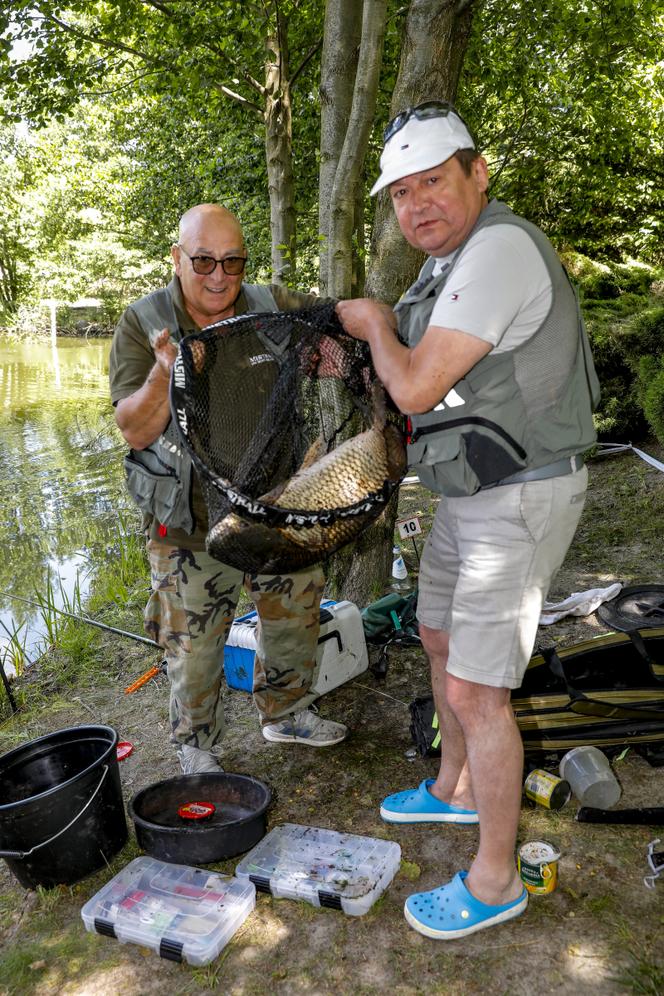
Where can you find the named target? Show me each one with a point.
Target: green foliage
(179, 88)
(651, 389)
(627, 337)
(601, 286)
(566, 97)
(644, 336)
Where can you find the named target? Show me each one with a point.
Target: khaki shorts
(486, 570)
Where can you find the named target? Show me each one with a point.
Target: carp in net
(296, 444)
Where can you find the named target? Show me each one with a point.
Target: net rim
(253, 509)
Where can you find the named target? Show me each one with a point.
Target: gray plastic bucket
(61, 810)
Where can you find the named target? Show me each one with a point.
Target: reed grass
(123, 580)
(13, 654)
(72, 651)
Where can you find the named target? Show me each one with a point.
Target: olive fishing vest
(514, 412)
(160, 477)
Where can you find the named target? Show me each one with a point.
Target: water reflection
(61, 481)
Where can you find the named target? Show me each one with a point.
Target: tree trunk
(434, 45)
(351, 160)
(341, 39)
(359, 271)
(279, 154)
(360, 572)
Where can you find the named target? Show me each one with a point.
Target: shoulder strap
(156, 311)
(586, 706)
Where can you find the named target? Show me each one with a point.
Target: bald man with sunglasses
(487, 355)
(194, 597)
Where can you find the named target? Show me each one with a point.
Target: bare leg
(495, 759)
(453, 784)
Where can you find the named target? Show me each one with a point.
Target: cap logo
(405, 146)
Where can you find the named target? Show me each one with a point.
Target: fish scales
(356, 468)
(341, 477)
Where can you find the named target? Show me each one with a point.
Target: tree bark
(279, 153)
(341, 39)
(360, 572)
(433, 49)
(359, 268)
(351, 160)
(434, 44)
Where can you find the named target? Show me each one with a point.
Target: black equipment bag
(607, 692)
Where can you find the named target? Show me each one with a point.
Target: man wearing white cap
(487, 355)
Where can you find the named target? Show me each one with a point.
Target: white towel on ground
(579, 603)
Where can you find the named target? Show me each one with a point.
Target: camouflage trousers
(189, 614)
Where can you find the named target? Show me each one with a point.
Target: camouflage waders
(189, 614)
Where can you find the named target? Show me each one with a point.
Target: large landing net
(296, 444)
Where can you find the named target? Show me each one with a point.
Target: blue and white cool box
(342, 650)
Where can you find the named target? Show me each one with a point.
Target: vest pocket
(153, 486)
(458, 460)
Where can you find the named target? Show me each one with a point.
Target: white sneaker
(305, 727)
(194, 761)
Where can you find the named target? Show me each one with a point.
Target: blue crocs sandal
(420, 806)
(452, 911)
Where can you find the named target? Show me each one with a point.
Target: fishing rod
(84, 619)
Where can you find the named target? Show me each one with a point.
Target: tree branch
(103, 42)
(305, 62)
(247, 104)
(119, 89)
(511, 146)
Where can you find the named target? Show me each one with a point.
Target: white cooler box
(342, 650)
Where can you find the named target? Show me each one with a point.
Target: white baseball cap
(421, 145)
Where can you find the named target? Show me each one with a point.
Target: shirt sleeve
(499, 279)
(131, 357)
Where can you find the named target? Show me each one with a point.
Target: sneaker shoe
(194, 761)
(305, 727)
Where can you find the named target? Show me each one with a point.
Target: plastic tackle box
(342, 650)
(182, 913)
(323, 867)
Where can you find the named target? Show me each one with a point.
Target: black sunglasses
(427, 109)
(205, 265)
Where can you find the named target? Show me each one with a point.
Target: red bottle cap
(196, 810)
(123, 749)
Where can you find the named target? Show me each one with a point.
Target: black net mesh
(294, 439)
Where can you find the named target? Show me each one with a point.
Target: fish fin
(314, 453)
(379, 404)
(395, 452)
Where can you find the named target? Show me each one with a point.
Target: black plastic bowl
(237, 823)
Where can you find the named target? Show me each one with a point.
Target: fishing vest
(160, 477)
(515, 412)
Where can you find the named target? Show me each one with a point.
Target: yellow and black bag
(608, 692)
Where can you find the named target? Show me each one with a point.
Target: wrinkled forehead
(211, 233)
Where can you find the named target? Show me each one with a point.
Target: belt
(569, 465)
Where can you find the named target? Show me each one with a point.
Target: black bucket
(61, 811)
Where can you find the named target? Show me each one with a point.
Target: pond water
(61, 488)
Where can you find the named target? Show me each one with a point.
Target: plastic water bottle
(400, 580)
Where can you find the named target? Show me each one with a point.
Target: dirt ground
(601, 930)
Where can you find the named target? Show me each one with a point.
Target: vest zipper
(426, 430)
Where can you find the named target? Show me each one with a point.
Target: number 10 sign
(409, 527)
